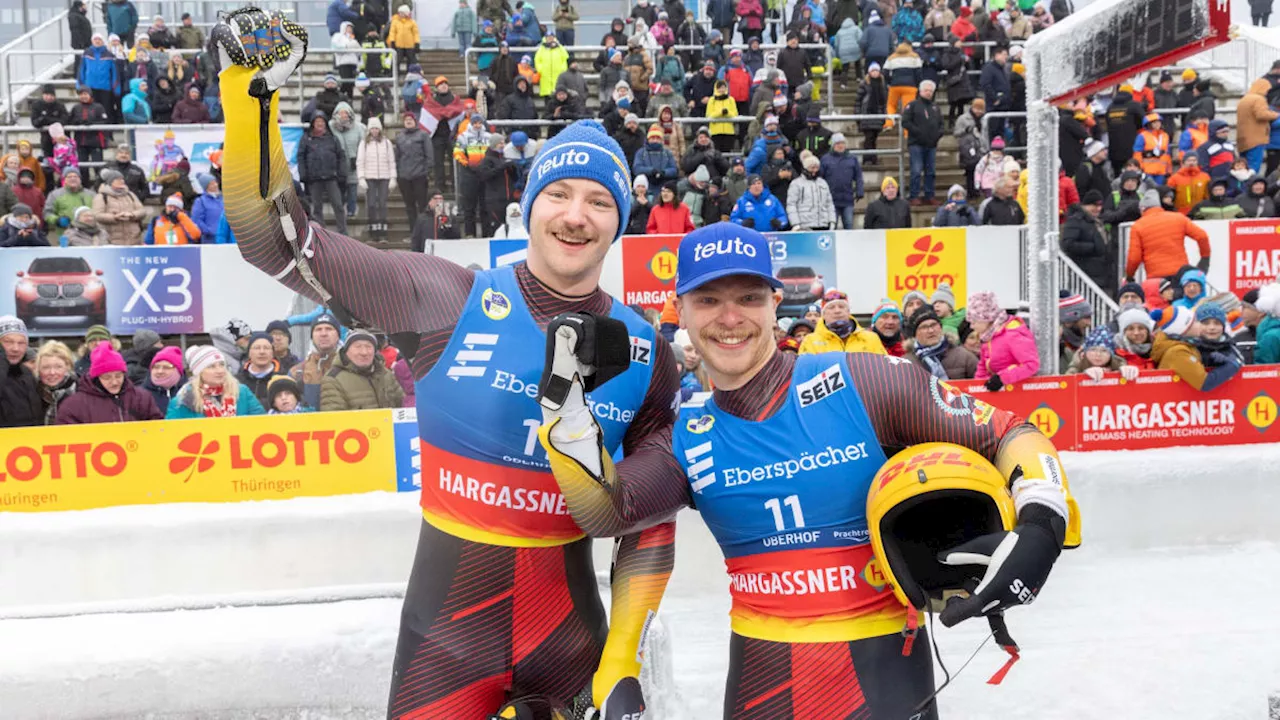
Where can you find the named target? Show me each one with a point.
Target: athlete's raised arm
(395, 291)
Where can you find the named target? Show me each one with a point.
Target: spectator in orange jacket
(1253, 123)
(1157, 238)
(1190, 184)
(669, 216)
(173, 226)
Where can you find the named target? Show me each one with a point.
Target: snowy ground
(1160, 615)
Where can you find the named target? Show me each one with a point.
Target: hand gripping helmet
(927, 499)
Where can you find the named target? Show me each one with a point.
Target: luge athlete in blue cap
(501, 605)
(780, 461)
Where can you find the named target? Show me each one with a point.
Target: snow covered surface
(1161, 614)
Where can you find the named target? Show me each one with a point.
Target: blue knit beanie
(1211, 311)
(582, 150)
(1100, 337)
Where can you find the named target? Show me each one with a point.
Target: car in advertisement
(801, 286)
(61, 286)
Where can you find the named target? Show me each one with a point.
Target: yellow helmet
(924, 500)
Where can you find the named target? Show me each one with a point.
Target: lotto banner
(924, 258)
(62, 291)
(1047, 402)
(1159, 410)
(269, 457)
(649, 269)
(805, 262)
(1254, 257)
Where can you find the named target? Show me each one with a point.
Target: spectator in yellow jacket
(721, 104)
(403, 36)
(550, 60)
(838, 331)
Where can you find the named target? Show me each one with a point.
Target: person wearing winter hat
(943, 302)
(1174, 348)
(1133, 337)
(575, 204)
(281, 339)
(838, 330)
(284, 397)
(888, 211)
(1098, 356)
(146, 343)
(259, 366)
(1075, 316)
(325, 337)
(173, 226)
(164, 377)
(1193, 285)
(105, 394)
(767, 411)
(1131, 293)
(886, 323)
(1008, 352)
(21, 228)
(211, 391)
(913, 301)
(1266, 306)
(360, 379)
(20, 404)
(933, 351)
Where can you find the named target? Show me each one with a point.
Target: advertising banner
(1047, 402)
(62, 291)
(196, 146)
(649, 269)
(408, 454)
(1159, 410)
(269, 457)
(805, 262)
(921, 259)
(1254, 258)
(508, 252)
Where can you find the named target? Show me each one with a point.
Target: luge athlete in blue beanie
(502, 593)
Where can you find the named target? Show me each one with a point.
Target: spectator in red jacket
(105, 394)
(1008, 348)
(1068, 195)
(669, 216)
(1133, 341)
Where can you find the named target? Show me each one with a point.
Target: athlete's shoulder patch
(496, 305)
(822, 385)
(948, 399)
(700, 424)
(982, 412)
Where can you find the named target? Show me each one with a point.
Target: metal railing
(1071, 277)
(54, 37)
(655, 54)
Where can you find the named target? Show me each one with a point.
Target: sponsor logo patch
(825, 384)
(496, 306)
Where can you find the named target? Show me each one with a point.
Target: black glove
(994, 383)
(749, 223)
(1203, 264)
(1017, 564)
(1219, 358)
(776, 224)
(601, 349)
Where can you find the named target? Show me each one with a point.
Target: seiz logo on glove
(582, 346)
(253, 38)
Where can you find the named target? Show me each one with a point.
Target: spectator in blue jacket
(98, 72)
(908, 24)
(877, 40)
(655, 161)
(758, 208)
(848, 46)
(996, 91)
(122, 20)
(956, 211)
(134, 107)
(339, 12)
(224, 236)
(207, 212)
(843, 173)
(762, 149)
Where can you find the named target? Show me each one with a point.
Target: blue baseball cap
(719, 250)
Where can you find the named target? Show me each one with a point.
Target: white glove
(363, 184)
(1129, 372)
(393, 184)
(1094, 373)
(575, 431)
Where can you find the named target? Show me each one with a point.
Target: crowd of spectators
(243, 372)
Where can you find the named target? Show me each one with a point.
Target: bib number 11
(775, 505)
